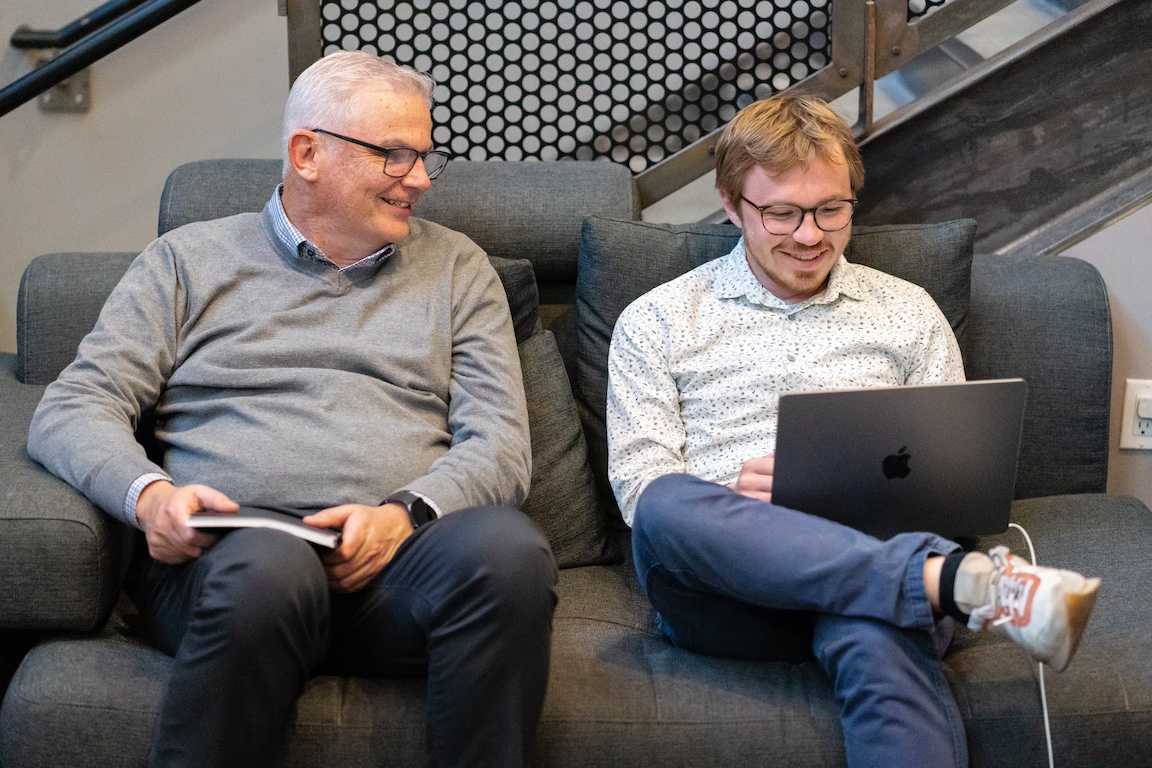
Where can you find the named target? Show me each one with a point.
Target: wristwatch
(420, 512)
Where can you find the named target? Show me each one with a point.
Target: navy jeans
(467, 600)
(733, 576)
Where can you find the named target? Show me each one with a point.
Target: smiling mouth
(405, 204)
(806, 256)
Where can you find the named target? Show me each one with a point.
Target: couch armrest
(61, 559)
(1045, 319)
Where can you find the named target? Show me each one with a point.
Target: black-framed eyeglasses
(785, 219)
(398, 161)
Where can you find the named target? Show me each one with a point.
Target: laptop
(939, 458)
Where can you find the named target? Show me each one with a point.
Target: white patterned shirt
(697, 365)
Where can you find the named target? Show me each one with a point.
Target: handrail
(26, 38)
(92, 48)
(891, 43)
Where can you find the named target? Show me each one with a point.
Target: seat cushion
(622, 260)
(620, 694)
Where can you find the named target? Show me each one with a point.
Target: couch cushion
(523, 298)
(60, 297)
(622, 260)
(60, 557)
(513, 210)
(562, 499)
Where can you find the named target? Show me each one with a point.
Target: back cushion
(515, 210)
(562, 499)
(622, 260)
(60, 297)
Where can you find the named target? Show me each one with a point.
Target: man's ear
(303, 148)
(733, 211)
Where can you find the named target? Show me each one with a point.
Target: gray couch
(86, 692)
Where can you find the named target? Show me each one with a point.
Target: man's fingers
(356, 578)
(761, 465)
(201, 539)
(758, 495)
(351, 540)
(165, 550)
(333, 517)
(212, 499)
(752, 482)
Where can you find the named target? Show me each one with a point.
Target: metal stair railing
(870, 38)
(88, 39)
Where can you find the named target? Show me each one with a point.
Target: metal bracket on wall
(71, 95)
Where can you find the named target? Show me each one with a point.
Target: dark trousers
(732, 576)
(467, 600)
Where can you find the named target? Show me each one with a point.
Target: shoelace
(1002, 579)
(989, 614)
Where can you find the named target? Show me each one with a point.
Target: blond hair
(782, 133)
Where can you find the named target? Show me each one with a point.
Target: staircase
(1043, 144)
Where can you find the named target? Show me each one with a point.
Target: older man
(696, 368)
(336, 357)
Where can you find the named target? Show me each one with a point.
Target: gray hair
(321, 94)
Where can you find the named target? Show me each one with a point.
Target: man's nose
(417, 176)
(808, 233)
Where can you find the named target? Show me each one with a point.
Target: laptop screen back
(939, 458)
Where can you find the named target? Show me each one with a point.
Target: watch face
(420, 513)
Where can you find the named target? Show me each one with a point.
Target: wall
(208, 83)
(211, 82)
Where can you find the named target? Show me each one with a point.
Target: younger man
(695, 372)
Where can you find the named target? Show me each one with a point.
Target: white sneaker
(1044, 610)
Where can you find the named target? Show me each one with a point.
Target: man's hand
(163, 510)
(371, 536)
(755, 478)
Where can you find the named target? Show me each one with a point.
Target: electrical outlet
(1136, 422)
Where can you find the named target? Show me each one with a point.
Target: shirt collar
(294, 240)
(735, 280)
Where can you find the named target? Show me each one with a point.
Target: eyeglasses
(398, 161)
(784, 219)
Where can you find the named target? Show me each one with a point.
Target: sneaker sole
(1079, 606)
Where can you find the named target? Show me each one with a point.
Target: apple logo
(896, 465)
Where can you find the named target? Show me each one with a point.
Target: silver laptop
(938, 458)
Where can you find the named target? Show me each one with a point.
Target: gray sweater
(283, 382)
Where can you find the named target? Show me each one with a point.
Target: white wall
(1123, 254)
(211, 82)
(208, 83)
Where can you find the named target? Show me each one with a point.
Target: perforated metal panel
(632, 82)
(918, 8)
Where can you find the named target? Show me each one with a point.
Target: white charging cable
(1039, 665)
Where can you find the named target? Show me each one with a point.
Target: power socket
(1136, 422)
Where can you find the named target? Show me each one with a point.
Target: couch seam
(663, 227)
(610, 622)
(22, 340)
